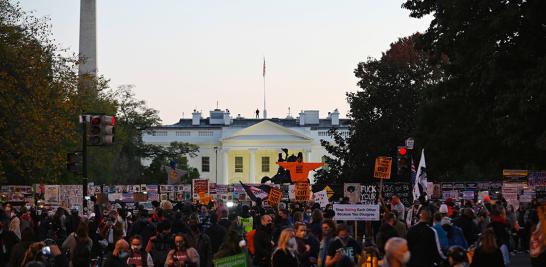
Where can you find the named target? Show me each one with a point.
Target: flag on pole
(254, 192)
(420, 185)
(264, 68)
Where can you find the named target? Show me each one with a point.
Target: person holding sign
(183, 255)
(344, 250)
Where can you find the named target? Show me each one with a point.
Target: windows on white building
(205, 164)
(183, 133)
(238, 164)
(159, 133)
(265, 164)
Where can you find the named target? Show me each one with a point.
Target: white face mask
(292, 244)
(405, 259)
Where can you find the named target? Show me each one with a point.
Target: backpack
(160, 249)
(250, 241)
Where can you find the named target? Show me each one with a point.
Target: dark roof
(243, 123)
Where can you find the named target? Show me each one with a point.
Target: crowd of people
(428, 233)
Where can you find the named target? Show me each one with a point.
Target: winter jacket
(424, 246)
(262, 246)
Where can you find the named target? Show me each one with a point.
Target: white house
(242, 149)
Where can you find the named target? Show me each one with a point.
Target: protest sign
(275, 196)
(321, 197)
(540, 192)
(369, 194)
(352, 191)
(51, 194)
(468, 195)
(482, 195)
(358, 212)
(302, 191)
(453, 194)
(537, 178)
(382, 168)
(238, 260)
(140, 197)
(200, 185)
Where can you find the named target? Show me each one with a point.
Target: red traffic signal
(402, 151)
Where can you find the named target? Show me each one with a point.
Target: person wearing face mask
(328, 231)
(286, 252)
(138, 257)
(396, 253)
(119, 256)
(183, 254)
(343, 248)
(263, 242)
(160, 245)
(308, 246)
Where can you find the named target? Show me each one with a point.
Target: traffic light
(101, 130)
(74, 162)
(402, 161)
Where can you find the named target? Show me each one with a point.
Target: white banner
(350, 212)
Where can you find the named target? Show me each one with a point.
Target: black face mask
(269, 227)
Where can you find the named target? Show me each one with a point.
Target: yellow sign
(275, 196)
(382, 169)
(515, 173)
(329, 192)
(302, 191)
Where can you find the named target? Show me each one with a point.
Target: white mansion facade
(242, 149)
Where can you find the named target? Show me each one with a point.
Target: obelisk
(88, 42)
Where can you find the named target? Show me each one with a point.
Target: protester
(285, 253)
(202, 241)
(423, 243)
(396, 253)
(328, 234)
(119, 255)
(386, 231)
(263, 242)
(308, 246)
(487, 253)
(138, 257)
(183, 254)
(343, 249)
(160, 245)
(456, 257)
(440, 232)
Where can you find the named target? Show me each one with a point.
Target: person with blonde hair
(285, 253)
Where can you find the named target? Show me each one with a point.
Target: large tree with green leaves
(488, 113)
(38, 91)
(383, 112)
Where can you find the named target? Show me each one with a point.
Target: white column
(308, 152)
(252, 172)
(225, 166)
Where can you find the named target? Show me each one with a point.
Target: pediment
(267, 130)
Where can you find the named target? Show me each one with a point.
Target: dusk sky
(184, 55)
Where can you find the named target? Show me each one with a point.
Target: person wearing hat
(455, 235)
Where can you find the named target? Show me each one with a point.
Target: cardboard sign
(140, 197)
(275, 196)
(382, 168)
(238, 260)
(360, 212)
(302, 192)
(321, 198)
(200, 185)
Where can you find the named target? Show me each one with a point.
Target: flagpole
(265, 111)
